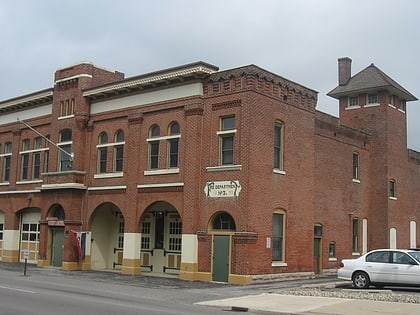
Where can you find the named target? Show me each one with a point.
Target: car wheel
(361, 280)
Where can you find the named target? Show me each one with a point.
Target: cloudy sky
(300, 40)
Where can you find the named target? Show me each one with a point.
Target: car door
(405, 269)
(378, 266)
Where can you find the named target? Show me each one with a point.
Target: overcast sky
(300, 40)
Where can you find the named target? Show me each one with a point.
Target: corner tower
(372, 101)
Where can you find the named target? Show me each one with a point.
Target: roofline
(162, 77)
(42, 96)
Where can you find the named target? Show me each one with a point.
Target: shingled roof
(369, 79)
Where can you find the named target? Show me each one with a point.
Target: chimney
(344, 70)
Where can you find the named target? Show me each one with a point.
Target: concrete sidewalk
(291, 304)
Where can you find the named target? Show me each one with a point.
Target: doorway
(318, 249)
(57, 247)
(221, 250)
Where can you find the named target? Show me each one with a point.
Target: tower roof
(369, 79)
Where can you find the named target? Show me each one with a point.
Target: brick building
(204, 174)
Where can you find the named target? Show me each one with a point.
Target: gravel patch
(366, 294)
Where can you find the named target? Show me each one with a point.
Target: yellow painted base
(240, 279)
(86, 263)
(11, 256)
(131, 267)
(71, 265)
(195, 276)
(42, 263)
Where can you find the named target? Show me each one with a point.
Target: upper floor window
(119, 151)
(356, 160)
(353, 101)
(67, 108)
(102, 152)
(226, 140)
(392, 189)
(154, 147)
(401, 104)
(278, 145)
(36, 158)
(7, 158)
(173, 145)
(372, 98)
(25, 159)
(65, 145)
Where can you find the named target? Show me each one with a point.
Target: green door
(221, 251)
(57, 247)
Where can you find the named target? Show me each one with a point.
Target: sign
(26, 254)
(222, 189)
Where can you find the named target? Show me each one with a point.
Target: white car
(397, 267)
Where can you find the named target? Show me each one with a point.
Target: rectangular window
(25, 166)
(6, 168)
(278, 146)
(119, 157)
(353, 101)
(1, 231)
(372, 98)
(331, 250)
(175, 232)
(391, 99)
(226, 134)
(65, 160)
(36, 165)
(103, 152)
(356, 166)
(173, 152)
(278, 237)
(392, 189)
(355, 232)
(154, 154)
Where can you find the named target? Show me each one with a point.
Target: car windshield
(416, 255)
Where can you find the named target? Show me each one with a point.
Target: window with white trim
(65, 145)
(356, 161)
(278, 145)
(392, 189)
(353, 101)
(7, 158)
(372, 98)
(173, 145)
(227, 140)
(355, 233)
(119, 151)
(278, 246)
(102, 152)
(24, 174)
(154, 147)
(36, 158)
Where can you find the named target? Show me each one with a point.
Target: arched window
(278, 145)
(24, 174)
(7, 157)
(119, 151)
(154, 147)
(102, 152)
(173, 145)
(279, 227)
(223, 222)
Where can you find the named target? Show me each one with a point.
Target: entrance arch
(222, 226)
(161, 239)
(107, 237)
